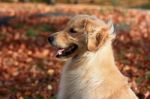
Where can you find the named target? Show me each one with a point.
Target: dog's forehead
(79, 19)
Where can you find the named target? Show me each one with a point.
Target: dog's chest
(80, 82)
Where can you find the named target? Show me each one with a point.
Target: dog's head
(83, 33)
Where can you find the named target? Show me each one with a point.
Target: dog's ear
(97, 33)
(93, 34)
(90, 29)
(110, 27)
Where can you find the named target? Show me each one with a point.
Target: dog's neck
(102, 61)
(95, 70)
(103, 56)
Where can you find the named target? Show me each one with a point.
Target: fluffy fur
(90, 72)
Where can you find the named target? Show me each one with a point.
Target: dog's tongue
(59, 52)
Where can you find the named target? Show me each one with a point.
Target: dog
(90, 71)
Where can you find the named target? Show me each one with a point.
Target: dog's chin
(66, 52)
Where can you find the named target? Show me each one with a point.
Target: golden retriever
(90, 72)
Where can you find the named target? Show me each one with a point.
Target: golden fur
(90, 72)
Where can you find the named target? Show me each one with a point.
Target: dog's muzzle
(63, 52)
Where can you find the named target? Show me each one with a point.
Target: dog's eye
(72, 30)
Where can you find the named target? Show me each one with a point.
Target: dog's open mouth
(62, 52)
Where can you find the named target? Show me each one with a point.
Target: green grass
(35, 30)
(137, 51)
(114, 2)
(40, 97)
(46, 28)
(1, 96)
(147, 58)
(125, 61)
(40, 65)
(31, 33)
(144, 6)
(54, 97)
(121, 55)
(139, 80)
(13, 90)
(139, 65)
(28, 97)
(18, 25)
(147, 76)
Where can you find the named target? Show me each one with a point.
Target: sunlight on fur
(90, 71)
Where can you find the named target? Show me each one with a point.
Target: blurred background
(28, 67)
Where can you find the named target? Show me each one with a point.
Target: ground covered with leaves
(28, 67)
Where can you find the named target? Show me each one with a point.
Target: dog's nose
(51, 39)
